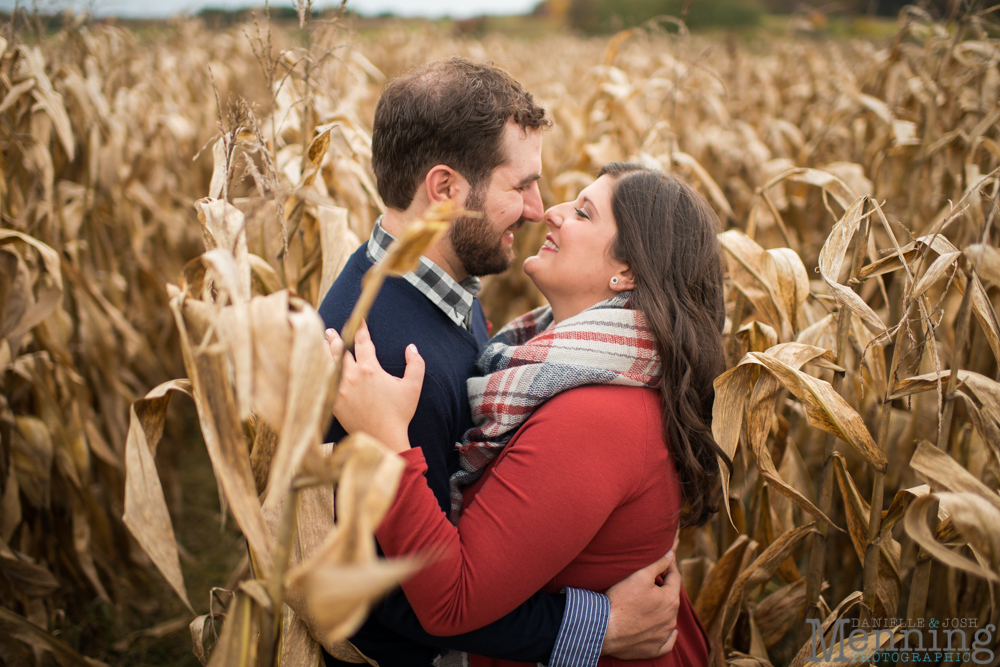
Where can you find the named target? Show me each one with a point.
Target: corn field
(175, 205)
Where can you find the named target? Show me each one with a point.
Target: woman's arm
(553, 490)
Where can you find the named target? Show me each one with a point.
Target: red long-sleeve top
(585, 494)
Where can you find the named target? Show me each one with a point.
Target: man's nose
(533, 208)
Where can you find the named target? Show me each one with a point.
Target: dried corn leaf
(14, 628)
(900, 502)
(146, 514)
(981, 395)
(318, 149)
(969, 506)
(337, 242)
(829, 182)
(364, 494)
(209, 372)
(32, 63)
(48, 287)
(340, 595)
(985, 261)
(307, 411)
(825, 408)
(944, 472)
(715, 194)
(272, 346)
(780, 611)
(858, 512)
(935, 272)
(224, 226)
(220, 170)
(238, 643)
(760, 572)
(754, 276)
(715, 591)
(831, 258)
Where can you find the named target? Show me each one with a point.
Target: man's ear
(442, 183)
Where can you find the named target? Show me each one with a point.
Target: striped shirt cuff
(581, 634)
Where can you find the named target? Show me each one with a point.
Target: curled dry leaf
(318, 149)
(718, 584)
(224, 226)
(971, 508)
(403, 256)
(980, 393)
(340, 595)
(944, 472)
(780, 611)
(760, 571)
(146, 514)
(825, 408)
(365, 491)
(831, 258)
(985, 262)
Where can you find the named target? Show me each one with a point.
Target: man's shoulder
(343, 294)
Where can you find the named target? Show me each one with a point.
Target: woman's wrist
(396, 439)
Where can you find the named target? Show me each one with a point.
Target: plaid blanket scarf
(529, 361)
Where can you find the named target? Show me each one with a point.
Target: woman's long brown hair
(667, 235)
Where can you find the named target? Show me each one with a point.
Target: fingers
(414, 373)
(672, 574)
(364, 348)
(669, 646)
(660, 565)
(334, 343)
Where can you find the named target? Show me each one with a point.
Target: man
(468, 132)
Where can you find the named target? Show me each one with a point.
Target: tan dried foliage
(857, 185)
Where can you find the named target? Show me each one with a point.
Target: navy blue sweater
(401, 315)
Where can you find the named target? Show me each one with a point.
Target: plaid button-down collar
(455, 299)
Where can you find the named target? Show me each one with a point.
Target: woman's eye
(583, 214)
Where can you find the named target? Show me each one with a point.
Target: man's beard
(473, 240)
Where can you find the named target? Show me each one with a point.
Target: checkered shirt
(455, 299)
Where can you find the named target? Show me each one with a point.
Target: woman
(593, 441)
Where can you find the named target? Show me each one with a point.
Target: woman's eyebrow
(592, 209)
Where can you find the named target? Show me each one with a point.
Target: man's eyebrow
(528, 180)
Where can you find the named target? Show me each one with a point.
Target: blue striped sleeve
(581, 634)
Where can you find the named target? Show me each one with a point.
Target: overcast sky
(157, 8)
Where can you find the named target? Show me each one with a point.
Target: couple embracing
(555, 462)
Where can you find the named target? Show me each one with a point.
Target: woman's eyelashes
(581, 213)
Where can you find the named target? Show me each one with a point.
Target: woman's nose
(553, 218)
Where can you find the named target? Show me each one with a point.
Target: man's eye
(583, 214)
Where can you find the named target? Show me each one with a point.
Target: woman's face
(574, 267)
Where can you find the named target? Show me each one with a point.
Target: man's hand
(643, 618)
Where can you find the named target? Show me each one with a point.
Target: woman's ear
(623, 280)
(443, 183)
